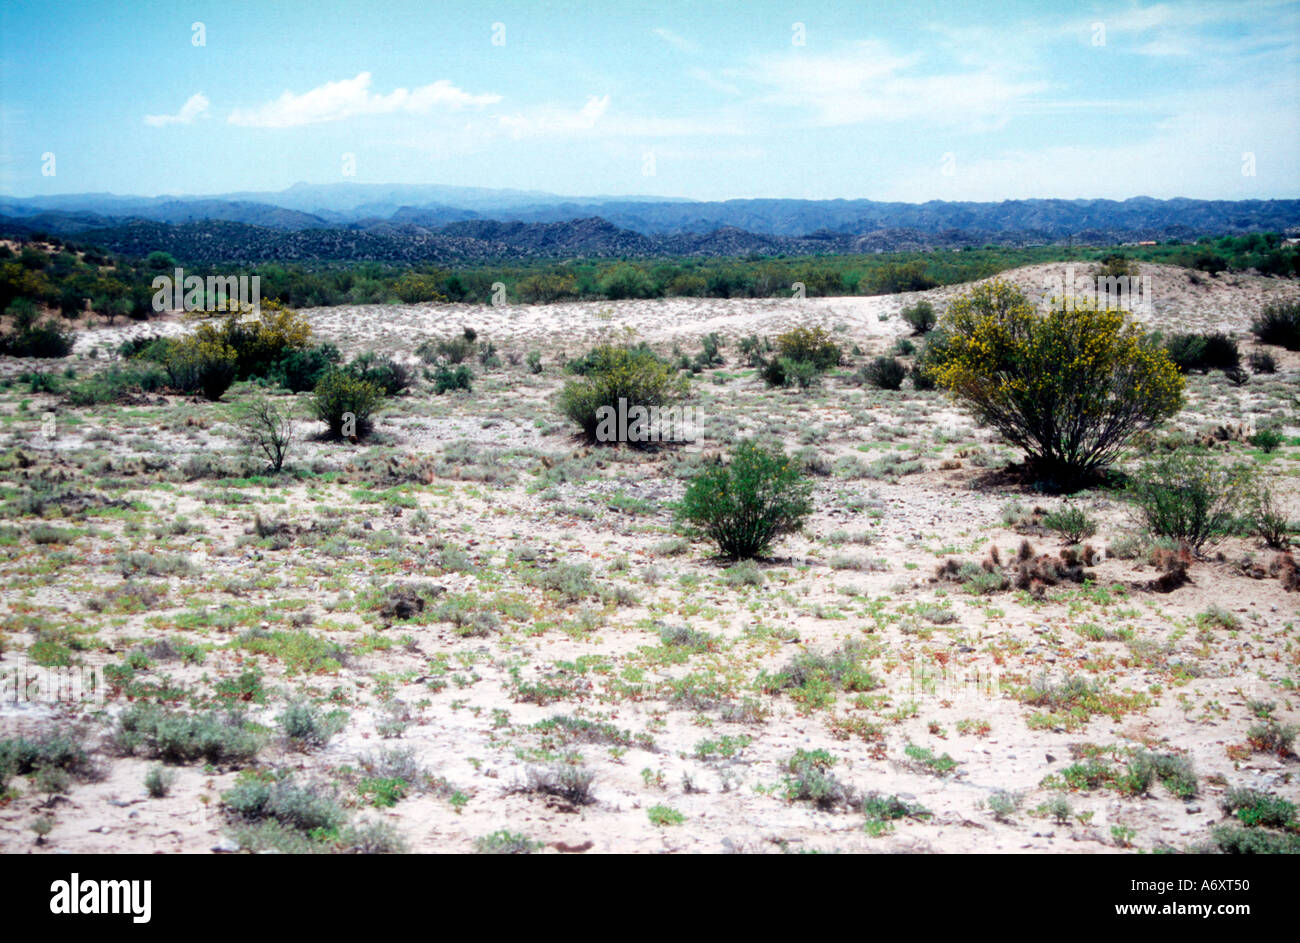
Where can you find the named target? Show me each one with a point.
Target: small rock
(1193, 809)
(226, 846)
(1050, 758)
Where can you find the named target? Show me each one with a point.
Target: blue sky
(890, 101)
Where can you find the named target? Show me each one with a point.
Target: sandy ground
(504, 493)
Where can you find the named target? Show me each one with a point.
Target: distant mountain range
(437, 223)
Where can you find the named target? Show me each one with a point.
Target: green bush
(745, 505)
(1203, 352)
(1261, 361)
(546, 288)
(177, 737)
(885, 373)
(1267, 440)
(1186, 496)
(507, 843)
(1069, 386)
(1071, 523)
(447, 378)
(633, 375)
(305, 808)
(809, 344)
(626, 281)
(452, 350)
(340, 394)
(111, 385)
(1279, 323)
(1187, 351)
(306, 726)
(920, 317)
(392, 378)
(1255, 808)
(31, 337)
(301, 370)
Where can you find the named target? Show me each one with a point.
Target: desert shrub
(300, 370)
(447, 378)
(782, 371)
(920, 317)
(418, 288)
(200, 364)
(634, 376)
(1273, 736)
(1261, 361)
(158, 781)
(1279, 324)
(1267, 440)
(61, 750)
(1221, 352)
(1203, 352)
(1187, 351)
(35, 339)
(1003, 804)
(1267, 516)
(392, 378)
(546, 287)
(625, 280)
(451, 350)
(267, 429)
(259, 343)
(570, 781)
(809, 344)
(1116, 265)
(507, 843)
(111, 385)
(1186, 496)
(754, 349)
(340, 394)
(885, 373)
(534, 361)
(1070, 387)
(895, 277)
(1071, 523)
(306, 726)
(813, 675)
(487, 355)
(305, 808)
(1235, 840)
(177, 737)
(1175, 770)
(810, 779)
(746, 504)
(1254, 807)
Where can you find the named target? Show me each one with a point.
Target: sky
(909, 101)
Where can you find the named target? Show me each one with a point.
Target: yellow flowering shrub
(259, 343)
(1069, 386)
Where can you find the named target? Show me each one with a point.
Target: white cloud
(869, 83)
(195, 106)
(347, 98)
(554, 120)
(678, 42)
(705, 77)
(1193, 154)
